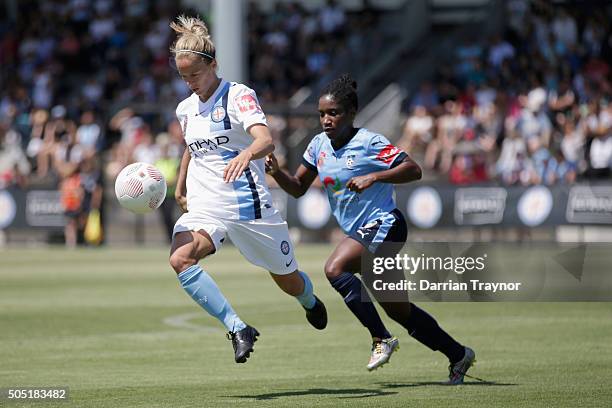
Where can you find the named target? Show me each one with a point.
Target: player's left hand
(360, 183)
(271, 164)
(236, 166)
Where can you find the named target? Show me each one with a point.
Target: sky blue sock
(307, 299)
(203, 289)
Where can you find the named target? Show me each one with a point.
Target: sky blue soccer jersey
(365, 153)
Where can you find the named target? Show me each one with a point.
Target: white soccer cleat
(457, 371)
(381, 352)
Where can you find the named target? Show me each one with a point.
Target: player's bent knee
(333, 269)
(188, 248)
(180, 262)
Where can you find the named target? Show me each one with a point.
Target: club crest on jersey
(284, 247)
(218, 114)
(350, 161)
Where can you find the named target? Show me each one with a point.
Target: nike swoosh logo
(289, 263)
(375, 143)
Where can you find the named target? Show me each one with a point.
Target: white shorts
(264, 242)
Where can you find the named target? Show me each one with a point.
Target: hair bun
(348, 79)
(199, 29)
(192, 35)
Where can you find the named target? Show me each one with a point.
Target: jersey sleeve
(248, 110)
(181, 116)
(309, 159)
(384, 154)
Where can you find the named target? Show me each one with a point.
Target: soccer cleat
(381, 352)
(243, 341)
(457, 371)
(317, 316)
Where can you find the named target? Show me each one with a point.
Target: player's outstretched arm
(261, 146)
(295, 185)
(180, 194)
(405, 172)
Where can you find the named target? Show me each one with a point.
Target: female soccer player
(221, 187)
(358, 169)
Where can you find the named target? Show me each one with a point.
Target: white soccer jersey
(215, 132)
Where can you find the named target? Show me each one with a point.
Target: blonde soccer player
(222, 190)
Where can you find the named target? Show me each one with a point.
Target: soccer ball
(140, 187)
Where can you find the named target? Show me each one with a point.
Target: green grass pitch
(114, 326)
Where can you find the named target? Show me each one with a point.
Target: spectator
(561, 100)
(81, 191)
(71, 194)
(130, 125)
(38, 122)
(533, 121)
(600, 156)
(57, 146)
(427, 97)
(499, 51)
(544, 163)
(89, 134)
(332, 18)
(145, 150)
(564, 28)
(449, 130)
(572, 144)
(467, 167)
(511, 159)
(418, 130)
(14, 166)
(318, 60)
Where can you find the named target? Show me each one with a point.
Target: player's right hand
(271, 164)
(181, 201)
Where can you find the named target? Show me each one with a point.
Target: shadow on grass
(441, 384)
(364, 392)
(342, 393)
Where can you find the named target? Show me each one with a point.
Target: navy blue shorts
(391, 228)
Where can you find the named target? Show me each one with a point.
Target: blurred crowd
(66, 66)
(528, 107)
(70, 68)
(69, 65)
(307, 42)
(531, 106)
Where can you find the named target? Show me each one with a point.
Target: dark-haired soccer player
(358, 169)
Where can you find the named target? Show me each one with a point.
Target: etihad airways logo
(203, 146)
